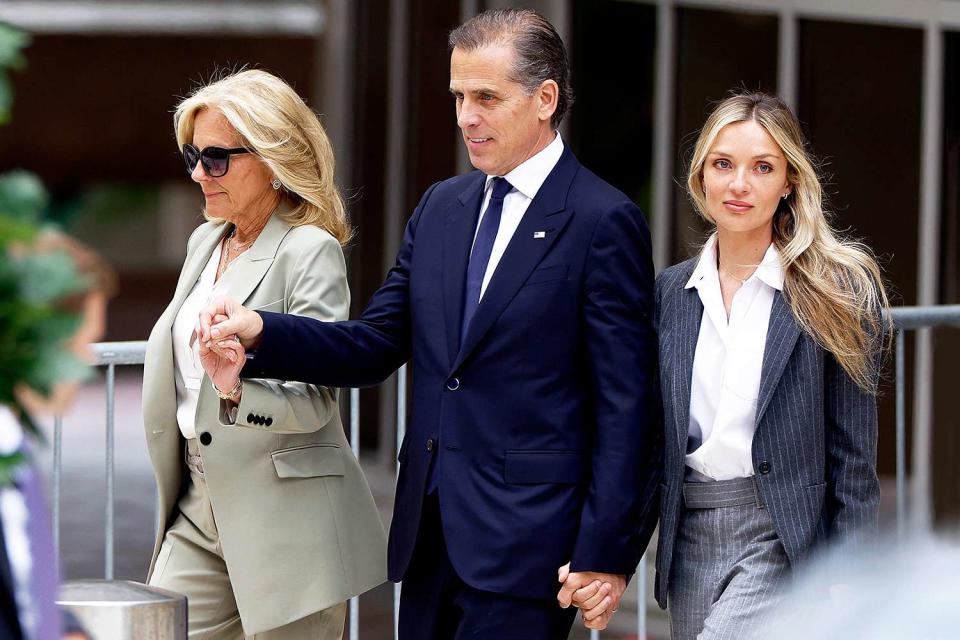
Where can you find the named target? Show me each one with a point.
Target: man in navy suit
(524, 294)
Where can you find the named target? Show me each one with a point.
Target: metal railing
(113, 354)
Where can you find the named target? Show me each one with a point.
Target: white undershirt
(188, 372)
(526, 178)
(726, 367)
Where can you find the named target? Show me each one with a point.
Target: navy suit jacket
(546, 417)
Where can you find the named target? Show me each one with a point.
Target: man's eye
(486, 97)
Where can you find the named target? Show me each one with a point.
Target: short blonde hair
(287, 136)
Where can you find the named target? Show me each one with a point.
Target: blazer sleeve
(356, 353)
(622, 503)
(316, 287)
(853, 489)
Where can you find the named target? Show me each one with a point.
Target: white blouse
(726, 367)
(188, 372)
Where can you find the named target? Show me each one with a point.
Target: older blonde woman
(266, 521)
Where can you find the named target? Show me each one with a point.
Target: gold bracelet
(234, 393)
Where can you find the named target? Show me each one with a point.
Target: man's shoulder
(590, 192)
(454, 187)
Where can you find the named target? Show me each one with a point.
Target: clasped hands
(224, 329)
(597, 595)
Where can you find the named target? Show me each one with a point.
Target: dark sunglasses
(215, 160)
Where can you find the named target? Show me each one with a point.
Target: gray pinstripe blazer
(815, 446)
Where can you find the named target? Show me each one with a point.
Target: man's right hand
(241, 322)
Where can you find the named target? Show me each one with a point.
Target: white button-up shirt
(726, 367)
(187, 370)
(526, 178)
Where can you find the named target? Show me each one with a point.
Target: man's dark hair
(539, 51)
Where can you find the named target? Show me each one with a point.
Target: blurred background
(876, 84)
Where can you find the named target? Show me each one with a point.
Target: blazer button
(269, 421)
(250, 417)
(453, 384)
(206, 438)
(764, 467)
(429, 444)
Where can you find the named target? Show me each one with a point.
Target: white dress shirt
(187, 370)
(526, 178)
(726, 367)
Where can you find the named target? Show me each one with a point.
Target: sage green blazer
(297, 522)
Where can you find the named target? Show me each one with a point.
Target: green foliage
(34, 326)
(12, 43)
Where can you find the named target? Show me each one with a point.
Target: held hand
(238, 321)
(596, 594)
(224, 360)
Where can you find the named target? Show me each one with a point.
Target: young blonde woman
(769, 356)
(266, 521)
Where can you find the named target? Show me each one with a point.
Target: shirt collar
(706, 269)
(770, 272)
(529, 175)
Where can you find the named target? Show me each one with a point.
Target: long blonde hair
(833, 285)
(287, 136)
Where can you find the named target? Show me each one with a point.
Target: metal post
(355, 445)
(901, 434)
(787, 50)
(401, 432)
(395, 183)
(927, 281)
(642, 598)
(108, 551)
(663, 132)
(57, 479)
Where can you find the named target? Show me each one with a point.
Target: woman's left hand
(223, 361)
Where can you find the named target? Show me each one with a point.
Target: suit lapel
(193, 266)
(782, 334)
(248, 269)
(689, 314)
(158, 411)
(548, 213)
(458, 231)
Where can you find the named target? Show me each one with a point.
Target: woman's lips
(737, 206)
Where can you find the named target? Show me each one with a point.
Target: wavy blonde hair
(287, 136)
(833, 285)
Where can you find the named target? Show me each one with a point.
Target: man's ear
(548, 95)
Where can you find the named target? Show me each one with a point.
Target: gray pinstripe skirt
(728, 566)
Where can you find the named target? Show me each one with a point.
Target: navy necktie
(482, 248)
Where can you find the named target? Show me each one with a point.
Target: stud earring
(276, 184)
